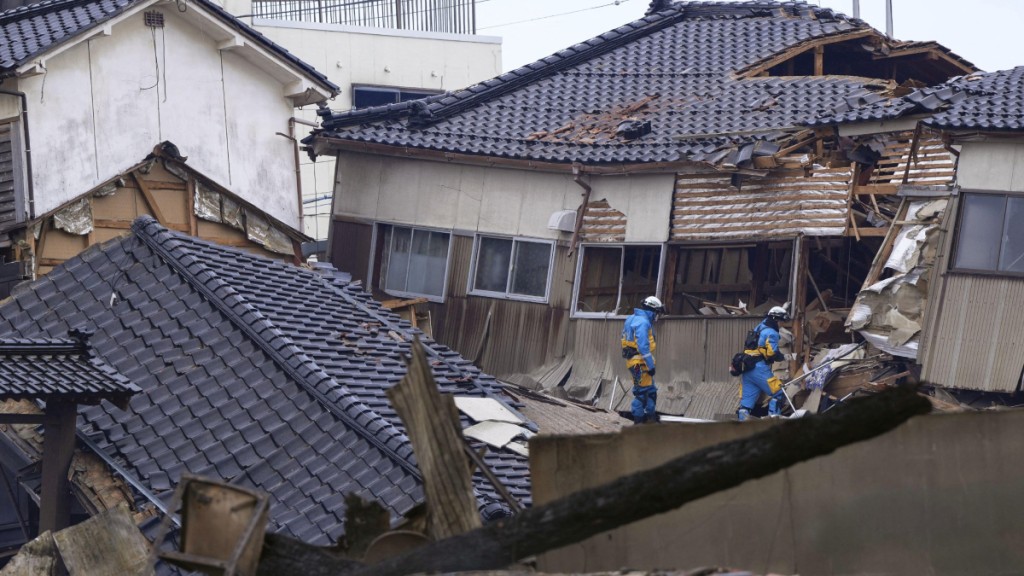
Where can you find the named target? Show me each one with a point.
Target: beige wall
(991, 166)
(939, 495)
(494, 200)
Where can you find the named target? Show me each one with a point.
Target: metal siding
(708, 206)
(976, 340)
(8, 208)
(351, 247)
(459, 263)
(563, 275)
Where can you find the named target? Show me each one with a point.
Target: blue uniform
(761, 379)
(638, 348)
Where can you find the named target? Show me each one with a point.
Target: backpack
(741, 361)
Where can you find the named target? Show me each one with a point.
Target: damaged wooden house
(103, 103)
(247, 369)
(674, 155)
(946, 289)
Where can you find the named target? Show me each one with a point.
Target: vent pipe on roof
(856, 9)
(888, 18)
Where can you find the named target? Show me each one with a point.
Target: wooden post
(58, 447)
(799, 303)
(432, 423)
(819, 60)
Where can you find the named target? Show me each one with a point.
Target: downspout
(577, 177)
(298, 167)
(28, 150)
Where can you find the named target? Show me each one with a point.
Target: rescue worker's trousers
(645, 393)
(757, 381)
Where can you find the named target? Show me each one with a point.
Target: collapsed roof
(264, 374)
(685, 82)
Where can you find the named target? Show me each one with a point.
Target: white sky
(988, 33)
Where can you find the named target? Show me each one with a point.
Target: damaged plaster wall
(135, 105)
(491, 200)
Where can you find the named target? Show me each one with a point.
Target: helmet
(653, 304)
(778, 313)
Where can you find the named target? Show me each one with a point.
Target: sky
(985, 32)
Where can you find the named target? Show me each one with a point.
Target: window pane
(981, 226)
(398, 246)
(1011, 257)
(530, 273)
(639, 276)
(427, 262)
(492, 259)
(599, 279)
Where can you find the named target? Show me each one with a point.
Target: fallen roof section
(261, 373)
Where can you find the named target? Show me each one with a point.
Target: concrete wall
(351, 55)
(103, 104)
(939, 495)
(495, 200)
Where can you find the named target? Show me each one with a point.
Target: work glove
(651, 372)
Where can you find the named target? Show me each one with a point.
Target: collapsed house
(250, 370)
(945, 290)
(675, 156)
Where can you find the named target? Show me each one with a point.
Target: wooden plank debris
(432, 423)
(108, 543)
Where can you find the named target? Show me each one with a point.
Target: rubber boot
(742, 414)
(773, 407)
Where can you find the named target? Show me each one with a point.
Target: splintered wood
(432, 423)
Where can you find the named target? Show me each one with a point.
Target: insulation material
(177, 170)
(602, 223)
(484, 409)
(207, 203)
(231, 213)
(782, 204)
(260, 230)
(75, 218)
(931, 165)
(108, 189)
(497, 434)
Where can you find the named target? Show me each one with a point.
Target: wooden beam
(44, 227)
(819, 60)
(53, 262)
(58, 448)
(112, 224)
(190, 207)
(6, 418)
(795, 51)
(150, 199)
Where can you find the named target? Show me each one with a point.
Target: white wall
(991, 166)
(104, 104)
(495, 200)
(351, 55)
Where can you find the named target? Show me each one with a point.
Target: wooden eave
(764, 65)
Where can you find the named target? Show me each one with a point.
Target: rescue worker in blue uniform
(761, 379)
(638, 349)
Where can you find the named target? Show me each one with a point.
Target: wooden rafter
(150, 199)
(765, 65)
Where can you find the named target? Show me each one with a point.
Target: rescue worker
(638, 350)
(760, 379)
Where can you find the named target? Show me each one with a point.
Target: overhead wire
(614, 3)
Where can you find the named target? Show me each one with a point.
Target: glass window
(616, 279)
(512, 267)
(415, 261)
(367, 96)
(987, 238)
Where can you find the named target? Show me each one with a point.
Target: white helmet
(779, 313)
(652, 303)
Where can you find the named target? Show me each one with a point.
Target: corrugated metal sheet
(781, 205)
(602, 223)
(933, 165)
(459, 262)
(976, 341)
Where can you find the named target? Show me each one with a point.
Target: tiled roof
(265, 374)
(992, 101)
(675, 68)
(27, 31)
(58, 369)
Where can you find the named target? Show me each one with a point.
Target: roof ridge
(349, 409)
(26, 10)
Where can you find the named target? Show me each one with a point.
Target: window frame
(378, 266)
(507, 295)
(398, 91)
(951, 266)
(578, 278)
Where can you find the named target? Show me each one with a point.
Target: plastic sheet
(207, 203)
(259, 229)
(76, 218)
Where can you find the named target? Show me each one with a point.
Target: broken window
(987, 238)
(511, 267)
(736, 275)
(414, 262)
(616, 279)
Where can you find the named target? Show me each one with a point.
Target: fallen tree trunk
(589, 512)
